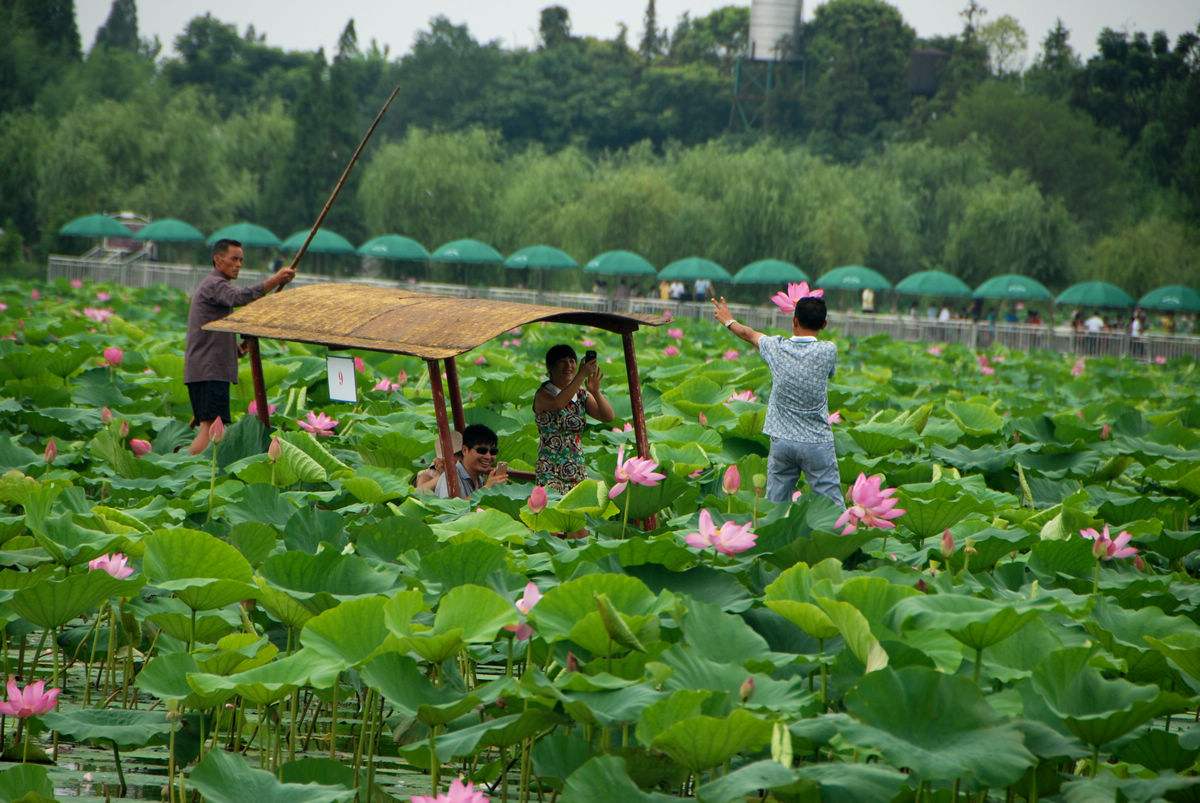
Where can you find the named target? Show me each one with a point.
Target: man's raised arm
(725, 318)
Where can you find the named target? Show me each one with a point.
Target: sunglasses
(492, 450)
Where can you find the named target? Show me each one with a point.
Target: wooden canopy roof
(399, 321)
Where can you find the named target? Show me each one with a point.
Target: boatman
(210, 359)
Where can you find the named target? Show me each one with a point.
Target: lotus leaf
(203, 571)
(226, 778)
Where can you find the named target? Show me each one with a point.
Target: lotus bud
(1033, 589)
(124, 429)
(275, 450)
(359, 365)
(216, 430)
(947, 543)
(969, 547)
(746, 689)
(572, 662)
(760, 481)
(921, 586)
(114, 356)
(1105, 432)
(732, 480)
(537, 499)
(51, 451)
(106, 415)
(703, 419)
(1139, 563)
(139, 447)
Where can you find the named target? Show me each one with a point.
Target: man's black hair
(479, 435)
(223, 245)
(810, 313)
(557, 353)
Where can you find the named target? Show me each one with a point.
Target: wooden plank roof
(399, 321)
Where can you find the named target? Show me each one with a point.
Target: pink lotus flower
(76, 284)
(516, 330)
(116, 565)
(103, 296)
(732, 479)
(1079, 366)
(636, 470)
(525, 604)
(675, 332)
(730, 539)
(99, 315)
(275, 450)
(934, 351)
(1106, 547)
(746, 689)
(359, 365)
(3, 307)
(480, 360)
(1105, 432)
(1160, 360)
(32, 702)
(787, 300)
(947, 543)
(459, 793)
(386, 385)
(702, 418)
(835, 417)
(141, 447)
(796, 495)
(51, 451)
(744, 396)
(538, 499)
(106, 415)
(671, 351)
(35, 294)
(402, 377)
(318, 424)
(516, 342)
(872, 505)
(731, 355)
(588, 342)
(252, 408)
(216, 430)
(506, 344)
(114, 356)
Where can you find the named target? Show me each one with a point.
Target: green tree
(1147, 254)
(1057, 65)
(120, 30)
(1067, 154)
(651, 44)
(554, 26)
(857, 61)
(717, 38)
(1006, 43)
(22, 139)
(1008, 226)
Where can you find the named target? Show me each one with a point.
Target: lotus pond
(305, 627)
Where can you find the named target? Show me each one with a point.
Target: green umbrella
(540, 257)
(323, 242)
(690, 269)
(933, 283)
(249, 235)
(170, 230)
(467, 252)
(1095, 294)
(619, 263)
(1174, 297)
(395, 248)
(770, 271)
(853, 277)
(95, 226)
(1013, 287)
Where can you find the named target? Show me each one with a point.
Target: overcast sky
(309, 24)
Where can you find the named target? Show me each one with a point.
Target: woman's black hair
(811, 313)
(557, 353)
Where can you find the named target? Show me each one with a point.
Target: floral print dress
(560, 454)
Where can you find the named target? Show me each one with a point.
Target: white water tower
(773, 28)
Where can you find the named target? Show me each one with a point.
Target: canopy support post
(456, 408)
(635, 403)
(439, 409)
(260, 385)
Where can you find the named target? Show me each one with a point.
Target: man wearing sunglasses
(479, 466)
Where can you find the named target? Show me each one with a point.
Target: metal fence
(142, 273)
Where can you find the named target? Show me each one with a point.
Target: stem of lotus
(824, 676)
(110, 677)
(212, 481)
(954, 792)
(291, 724)
(508, 663)
(368, 705)
(171, 766)
(38, 653)
(24, 744)
(120, 772)
(192, 633)
(978, 663)
(1096, 578)
(1033, 789)
(1095, 759)
(625, 512)
(372, 746)
(435, 767)
(87, 672)
(333, 723)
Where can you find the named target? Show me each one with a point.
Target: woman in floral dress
(560, 409)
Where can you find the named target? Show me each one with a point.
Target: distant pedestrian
(210, 358)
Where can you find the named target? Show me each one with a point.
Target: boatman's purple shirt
(212, 356)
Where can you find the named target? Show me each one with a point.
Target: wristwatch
(730, 322)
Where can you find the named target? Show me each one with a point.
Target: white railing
(900, 327)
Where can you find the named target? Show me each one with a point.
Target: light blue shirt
(798, 409)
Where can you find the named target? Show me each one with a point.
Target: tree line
(1060, 169)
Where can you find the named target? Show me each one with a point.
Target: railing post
(449, 462)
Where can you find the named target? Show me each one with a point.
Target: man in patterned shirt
(798, 410)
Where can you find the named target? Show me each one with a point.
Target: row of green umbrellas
(926, 283)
